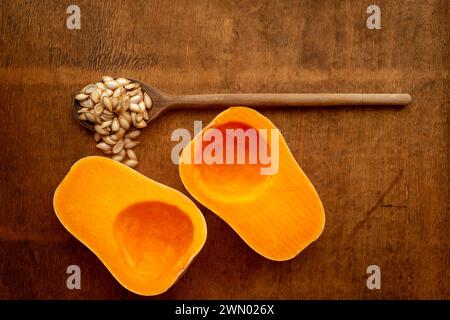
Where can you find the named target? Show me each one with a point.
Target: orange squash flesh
(277, 215)
(144, 232)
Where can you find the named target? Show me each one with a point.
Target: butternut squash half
(144, 232)
(276, 214)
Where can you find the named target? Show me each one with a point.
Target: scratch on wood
(376, 205)
(393, 206)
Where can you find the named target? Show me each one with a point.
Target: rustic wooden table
(382, 172)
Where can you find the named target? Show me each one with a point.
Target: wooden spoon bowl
(160, 103)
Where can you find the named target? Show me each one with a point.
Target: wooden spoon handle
(288, 100)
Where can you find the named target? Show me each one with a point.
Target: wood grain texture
(382, 173)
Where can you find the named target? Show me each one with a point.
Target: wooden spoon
(163, 102)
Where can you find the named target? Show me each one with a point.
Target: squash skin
(277, 215)
(145, 233)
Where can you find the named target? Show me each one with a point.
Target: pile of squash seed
(118, 109)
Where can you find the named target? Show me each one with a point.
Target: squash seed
(103, 146)
(132, 86)
(104, 117)
(89, 89)
(101, 86)
(117, 92)
(123, 81)
(131, 144)
(88, 103)
(147, 100)
(107, 78)
(109, 141)
(127, 116)
(141, 106)
(100, 130)
(131, 163)
(124, 122)
(119, 108)
(115, 125)
(121, 132)
(126, 103)
(117, 158)
(115, 102)
(112, 85)
(118, 147)
(134, 92)
(83, 110)
(136, 99)
(134, 107)
(95, 96)
(131, 154)
(81, 96)
(98, 109)
(107, 103)
(141, 124)
(90, 117)
(133, 134)
(106, 124)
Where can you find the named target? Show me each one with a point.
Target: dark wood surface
(381, 172)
